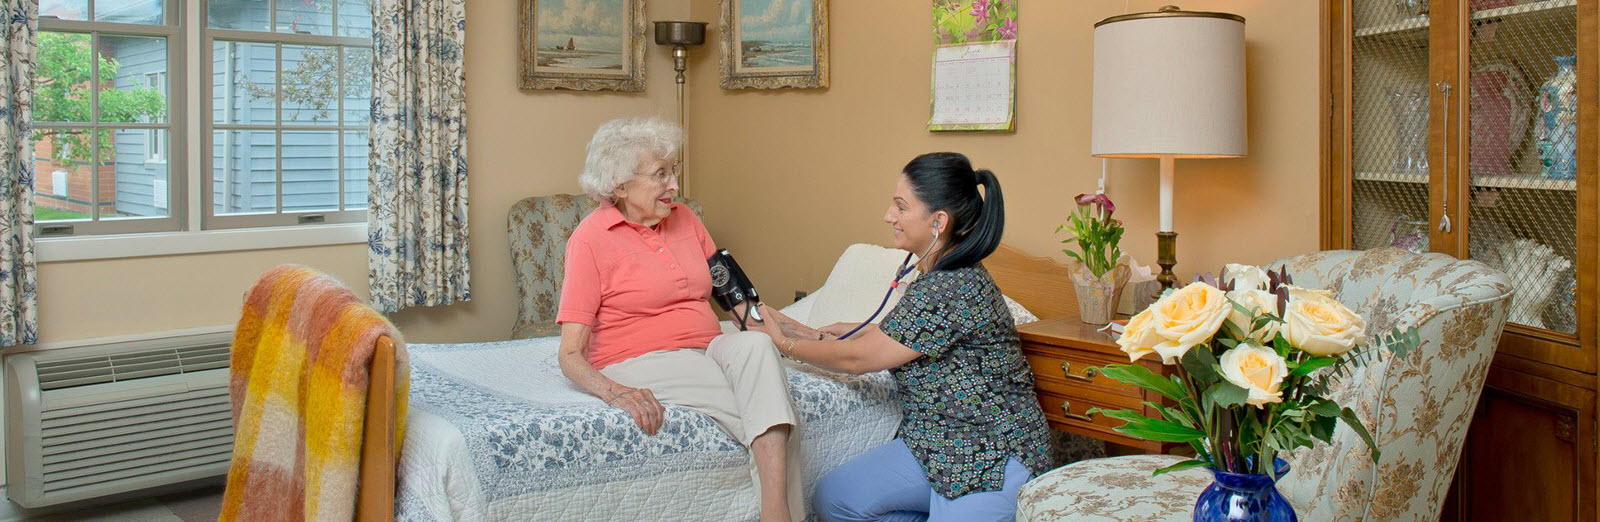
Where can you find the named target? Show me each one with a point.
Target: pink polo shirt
(642, 289)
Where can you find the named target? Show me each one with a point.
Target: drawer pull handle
(1088, 375)
(1066, 409)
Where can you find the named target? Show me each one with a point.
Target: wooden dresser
(1065, 355)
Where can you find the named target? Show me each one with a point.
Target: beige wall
(789, 178)
(521, 144)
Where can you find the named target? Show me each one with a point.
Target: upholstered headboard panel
(538, 228)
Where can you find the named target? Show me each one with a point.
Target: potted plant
(1254, 362)
(1098, 269)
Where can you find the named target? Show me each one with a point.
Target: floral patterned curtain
(19, 307)
(417, 219)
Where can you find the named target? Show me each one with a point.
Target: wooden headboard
(1040, 284)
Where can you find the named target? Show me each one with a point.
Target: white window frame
(208, 127)
(185, 154)
(173, 32)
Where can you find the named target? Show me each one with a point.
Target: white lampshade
(1169, 83)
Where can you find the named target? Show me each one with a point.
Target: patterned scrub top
(969, 401)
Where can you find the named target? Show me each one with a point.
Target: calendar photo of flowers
(966, 21)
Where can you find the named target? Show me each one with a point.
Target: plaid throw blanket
(298, 383)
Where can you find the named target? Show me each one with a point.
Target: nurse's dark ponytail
(946, 181)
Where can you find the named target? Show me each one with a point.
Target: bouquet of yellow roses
(1255, 356)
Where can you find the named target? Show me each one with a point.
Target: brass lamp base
(1167, 256)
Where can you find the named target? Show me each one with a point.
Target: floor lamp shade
(1169, 83)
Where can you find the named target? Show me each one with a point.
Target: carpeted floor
(195, 505)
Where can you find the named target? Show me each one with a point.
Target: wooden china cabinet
(1469, 127)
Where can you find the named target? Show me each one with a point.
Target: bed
(495, 432)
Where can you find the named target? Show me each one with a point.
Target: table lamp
(1167, 85)
(681, 35)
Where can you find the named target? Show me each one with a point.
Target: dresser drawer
(1062, 371)
(1073, 412)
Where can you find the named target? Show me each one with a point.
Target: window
(288, 98)
(284, 92)
(99, 122)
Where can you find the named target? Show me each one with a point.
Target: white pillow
(1018, 313)
(857, 284)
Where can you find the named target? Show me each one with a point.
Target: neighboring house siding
(136, 170)
(245, 163)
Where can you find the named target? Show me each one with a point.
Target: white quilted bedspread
(495, 432)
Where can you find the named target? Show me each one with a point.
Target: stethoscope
(900, 273)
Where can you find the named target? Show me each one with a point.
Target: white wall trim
(199, 242)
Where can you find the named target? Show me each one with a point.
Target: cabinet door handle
(1444, 216)
(1066, 409)
(1088, 375)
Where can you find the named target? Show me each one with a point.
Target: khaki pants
(739, 381)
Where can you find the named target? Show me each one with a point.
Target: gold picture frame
(600, 53)
(782, 49)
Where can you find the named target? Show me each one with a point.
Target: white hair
(618, 147)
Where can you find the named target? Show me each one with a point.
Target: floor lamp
(681, 36)
(1169, 84)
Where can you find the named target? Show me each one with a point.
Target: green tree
(61, 94)
(314, 84)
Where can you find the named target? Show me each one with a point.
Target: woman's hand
(837, 329)
(641, 403)
(770, 326)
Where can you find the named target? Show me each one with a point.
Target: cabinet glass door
(1389, 123)
(1522, 153)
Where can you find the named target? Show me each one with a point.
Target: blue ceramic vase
(1243, 497)
(1557, 125)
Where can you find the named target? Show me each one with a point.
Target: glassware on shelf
(1410, 110)
(1410, 8)
(1535, 271)
(1558, 121)
(1561, 314)
(1409, 234)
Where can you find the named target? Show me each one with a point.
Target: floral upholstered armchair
(1418, 407)
(538, 228)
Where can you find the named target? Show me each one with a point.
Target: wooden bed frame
(1038, 283)
(378, 456)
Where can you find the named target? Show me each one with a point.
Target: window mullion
(277, 103)
(94, 122)
(340, 94)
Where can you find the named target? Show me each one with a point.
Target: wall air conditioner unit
(99, 418)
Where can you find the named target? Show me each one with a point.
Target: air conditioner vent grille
(84, 371)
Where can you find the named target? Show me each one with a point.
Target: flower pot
(1244, 497)
(1098, 296)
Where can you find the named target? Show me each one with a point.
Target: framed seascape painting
(587, 45)
(769, 44)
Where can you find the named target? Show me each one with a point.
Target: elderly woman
(636, 327)
(973, 432)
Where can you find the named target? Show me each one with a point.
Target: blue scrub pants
(887, 484)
